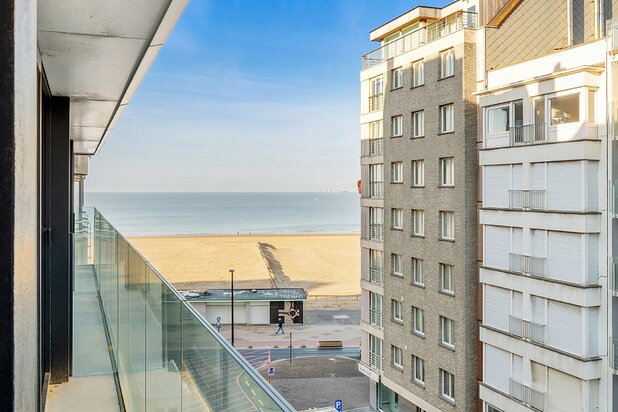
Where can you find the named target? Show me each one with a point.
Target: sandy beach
(323, 264)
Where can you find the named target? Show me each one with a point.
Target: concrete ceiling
(97, 52)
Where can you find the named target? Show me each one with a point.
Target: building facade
(418, 197)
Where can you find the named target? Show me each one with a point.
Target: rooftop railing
(419, 37)
(167, 356)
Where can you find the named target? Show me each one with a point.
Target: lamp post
(232, 273)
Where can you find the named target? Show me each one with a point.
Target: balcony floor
(91, 387)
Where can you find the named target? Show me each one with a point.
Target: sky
(249, 96)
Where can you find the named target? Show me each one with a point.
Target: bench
(330, 344)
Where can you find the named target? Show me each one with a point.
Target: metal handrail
(527, 134)
(376, 361)
(527, 395)
(528, 265)
(376, 275)
(376, 232)
(376, 317)
(376, 102)
(527, 199)
(372, 147)
(528, 330)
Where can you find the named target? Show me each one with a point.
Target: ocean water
(141, 214)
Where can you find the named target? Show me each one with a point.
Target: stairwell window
(396, 172)
(418, 124)
(447, 118)
(418, 278)
(396, 311)
(397, 126)
(418, 222)
(447, 225)
(397, 78)
(447, 386)
(447, 327)
(418, 73)
(397, 219)
(396, 357)
(418, 173)
(396, 265)
(447, 172)
(418, 370)
(418, 321)
(447, 63)
(446, 279)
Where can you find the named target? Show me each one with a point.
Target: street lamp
(232, 273)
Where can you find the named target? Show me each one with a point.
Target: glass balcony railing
(167, 357)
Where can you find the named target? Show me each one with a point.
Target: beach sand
(323, 264)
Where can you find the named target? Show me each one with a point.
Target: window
(564, 109)
(375, 130)
(396, 311)
(376, 86)
(418, 124)
(397, 219)
(446, 331)
(447, 385)
(591, 106)
(446, 279)
(396, 172)
(418, 321)
(447, 225)
(492, 409)
(447, 171)
(497, 119)
(418, 222)
(418, 370)
(396, 357)
(417, 272)
(447, 63)
(396, 126)
(418, 73)
(447, 118)
(419, 409)
(396, 266)
(418, 173)
(397, 78)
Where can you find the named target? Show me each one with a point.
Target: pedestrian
(280, 327)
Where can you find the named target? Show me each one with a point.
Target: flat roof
(223, 295)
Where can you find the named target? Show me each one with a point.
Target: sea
(164, 214)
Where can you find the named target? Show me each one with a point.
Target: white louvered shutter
(537, 176)
(564, 185)
(592, 201)
(517, 243)
(564, 256)
(539, 242)
(497, 307)
(497, 368)
(497, 246)
(517, 182)
(564, 392)
(538, 310)
(518, 305)
(496, 184)
(564, 327)
(518, 368)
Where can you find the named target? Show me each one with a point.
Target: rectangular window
(447, 385)
(396, 356)
(418, 370)
(447, 171)
(417, 272)
(397, 78)
(418, 124)
(375, 129)
(446, 279)
(418, 73)
(418, 222)
(447, 63)
(396, 265)
(376, 86)
(447, 225)
(418, 173)
(447, 331)
(396, 310)
(397, 219)
(396, 126)
(396, 172)
(418, 321)
(497, 119)
(564, 109)
(447, 118)
(491, 408)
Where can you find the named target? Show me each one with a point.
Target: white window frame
(375, 129)
(447, 63)
(418, 73)
(447, 381)
(376, 86)
(418, 321)
(397, 126)
(396, 357)
(447, 332)
(396, 311)
(418, 173)
(396, 172)
(447, 225)
(397, 219)
(418, 222)
(418, 370)
(509, 117)
(418, 124)
(418, 277)
(397, 78)
(447, 125)
(396, 265)
(447, 172)
(446, 279)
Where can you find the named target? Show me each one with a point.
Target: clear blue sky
(249, 96)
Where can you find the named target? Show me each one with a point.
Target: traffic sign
(218, 318)
(271, 371)
(339, 405)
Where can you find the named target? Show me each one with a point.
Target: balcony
(527, 330)
(527, 134)
(165, 354)
(527, 199)
(528, 265)
(526, 395)
(376, 232)
(613, 285)
(376, 318)
(376, 102)
(419, 37)
(613, 354)
(376, 362)
(376, 275)
(372, 147)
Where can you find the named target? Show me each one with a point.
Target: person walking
(280, 327)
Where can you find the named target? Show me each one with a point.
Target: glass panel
(539, 111)
(518, 115)
(497, 120)
(564, 109)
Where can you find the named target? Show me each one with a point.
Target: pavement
(259, 357)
